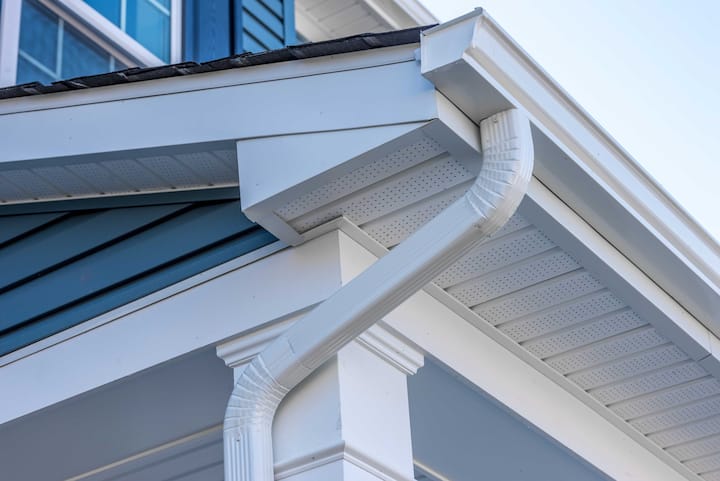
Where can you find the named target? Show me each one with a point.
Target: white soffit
(160, 172)
(156, 146)
(318, 20)
(544, 300)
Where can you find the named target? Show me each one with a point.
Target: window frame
(9, 40)
(91, 24)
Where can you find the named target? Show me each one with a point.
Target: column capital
(380, 339)
(392, 347)
(241, 350)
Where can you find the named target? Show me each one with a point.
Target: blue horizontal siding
(207, 29)
(218, 28)
(262, 27)
(263, 35)
(250, 44)
(269, 20)
(275, 6)
(87, 263)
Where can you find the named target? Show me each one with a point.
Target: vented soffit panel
(543, 299)
(525, 285)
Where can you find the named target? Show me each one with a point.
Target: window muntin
(50, 49)
(147, 21)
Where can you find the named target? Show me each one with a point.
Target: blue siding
(207, 29)
(219, 28)
(15, 227)
(65, 268)
(466, 436)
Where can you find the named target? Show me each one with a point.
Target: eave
(582, 164)
(364, 107)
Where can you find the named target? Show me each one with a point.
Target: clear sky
(647, 70)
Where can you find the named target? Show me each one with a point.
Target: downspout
(488, 204)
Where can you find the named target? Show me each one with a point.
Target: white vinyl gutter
(500, 186)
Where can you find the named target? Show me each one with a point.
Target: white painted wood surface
(9, 40)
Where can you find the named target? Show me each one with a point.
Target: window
(50, 49)
(47, 40)
(147, 21)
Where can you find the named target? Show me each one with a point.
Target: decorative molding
(240, 351)
(426, 473)
(379, 339)
(341, 451)
(392, 347)
(310, 461)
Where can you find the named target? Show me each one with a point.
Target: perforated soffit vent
(520, 282)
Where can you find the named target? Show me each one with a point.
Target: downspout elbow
(507, 167)
(488, 204)
(247, 428)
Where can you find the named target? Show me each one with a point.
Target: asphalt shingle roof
(354, 43)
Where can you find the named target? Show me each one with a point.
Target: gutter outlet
(488, 204)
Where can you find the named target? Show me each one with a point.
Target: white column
(349, 421)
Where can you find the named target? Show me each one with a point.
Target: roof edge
(474, 48)
(355, 43)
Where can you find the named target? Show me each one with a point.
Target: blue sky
(647, 70)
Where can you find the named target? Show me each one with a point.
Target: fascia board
(474, 54)
(381, 95)
(212, 80)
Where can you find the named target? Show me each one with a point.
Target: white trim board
(212, 80)
(10, 12)
(336, 100)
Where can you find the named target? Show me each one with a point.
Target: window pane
(148, 22)
(109, 9)
(27, 72)
(39, 34)
(80, 57)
